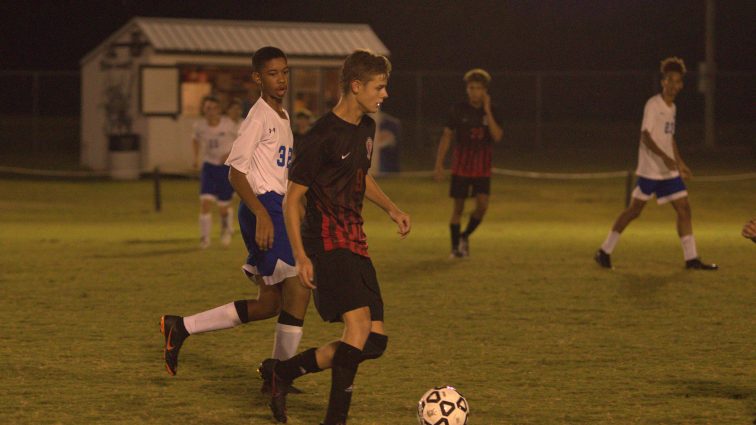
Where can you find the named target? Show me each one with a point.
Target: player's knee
(375, 346)
(684, 212)
(633, 213)
(286, 318)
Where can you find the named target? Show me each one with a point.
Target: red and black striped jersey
(473, 147)
(332, 160)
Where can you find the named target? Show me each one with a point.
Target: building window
(223, 82)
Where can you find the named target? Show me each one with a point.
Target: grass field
(528, 328)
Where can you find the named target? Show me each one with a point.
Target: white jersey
(263, 149)
(215, 141)
(659, 121)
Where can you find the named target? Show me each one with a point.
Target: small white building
(149, 77)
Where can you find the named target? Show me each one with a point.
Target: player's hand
(749, 230)
(305, 272)
(403, 221)
(670, 163)
(264, 231)
(487, 102)
(685, 172)
(438, 174)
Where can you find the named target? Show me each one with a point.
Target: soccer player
(330, 169)
(749, 230)
(234, 111)
(259, 163)
(660, 170)
(213, 137)
(475, 126)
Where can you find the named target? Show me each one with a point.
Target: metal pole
(158, 197)
(539, 111)
(710, 78)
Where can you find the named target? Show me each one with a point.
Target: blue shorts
(665, 190)
(275, 264)
(214, 183)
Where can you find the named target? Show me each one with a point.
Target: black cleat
(455, 254)
(603, 259)
(696, 264)
(173, 340)
(278, 389)
(464, 246)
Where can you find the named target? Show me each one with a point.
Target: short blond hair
(673, 64)
(477, 75)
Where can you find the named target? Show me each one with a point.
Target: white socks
(611, 241)
(205, 223)
(222, 317)
(688, 243)
(226, 221)
(286, 341)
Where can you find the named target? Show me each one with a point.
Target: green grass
(528, 328)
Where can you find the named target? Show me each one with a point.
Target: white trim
(638, 194)
(282, 271)
(672, 197)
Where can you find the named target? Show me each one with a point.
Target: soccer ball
(442, 406)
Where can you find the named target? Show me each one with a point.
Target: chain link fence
(541, 110)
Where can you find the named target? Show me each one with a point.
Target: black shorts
(460, 186)
(345, 281)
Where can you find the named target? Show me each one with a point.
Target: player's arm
(443, 148)
(374, 193)
(292, 204)
(684, 170)
(651, 145)
(240, 163)
(264, 224)
(496, 131)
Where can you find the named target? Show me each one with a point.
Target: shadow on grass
(149, 254)
(158, 241)
(642, 288)
(714, 389)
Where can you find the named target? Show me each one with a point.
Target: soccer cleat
(696, 264)
(204, 243)
(173, 340)
(455, 254)
(603, 259)
(278, 389)
(226, 237)
(464, 246)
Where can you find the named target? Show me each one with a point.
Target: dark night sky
(450, 35)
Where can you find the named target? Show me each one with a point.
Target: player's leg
(205, 219)
(225, 194)
(687, 240)
(295, 299)
(177, 329)
(481, 190)
(207, 199)
(458, 191)
(226, 214)
(346, 360)
(630, 213)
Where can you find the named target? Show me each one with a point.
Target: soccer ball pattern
(442, 406)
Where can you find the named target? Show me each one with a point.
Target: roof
(245, 37)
